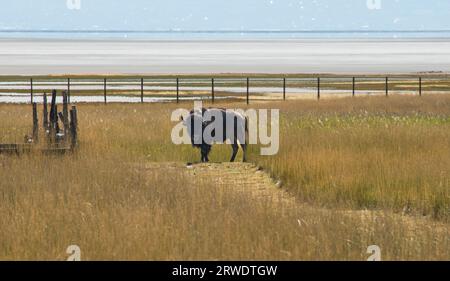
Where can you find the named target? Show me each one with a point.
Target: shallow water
(25, 98)
(20, 98)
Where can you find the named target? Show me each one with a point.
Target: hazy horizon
(215, 15)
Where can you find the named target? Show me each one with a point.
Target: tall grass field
(357, 171)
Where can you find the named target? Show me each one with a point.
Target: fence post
(104, 89)
(65, 118)
(178, 90)
(212, 90)
(387, 86)
(248, 90)
(45, 113)
(35, 124)
(353, 86)
(73, 127)
(68, 90)
(284, 88)
(31, 90)
(318, 88)
(142, 90)
(53, 119)
(420, 86)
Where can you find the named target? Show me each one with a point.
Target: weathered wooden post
(104, 89)
(387, 86)
(212, 90)
(284, 88)
(45, 113)
(65, 115)
(57, 129)
(248, 90)
(420, 86)
(142, 90)
(53, 108)
(353, 86)
(178, 90)
(73, 127)
(54, 128)
(31, 90)
(318, 88)
(35, 124)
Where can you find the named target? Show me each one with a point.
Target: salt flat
(54, 56)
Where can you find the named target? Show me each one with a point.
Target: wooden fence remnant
(35, 135)
(73, 127)
(45, 113)
(65, 115)
(57, 142)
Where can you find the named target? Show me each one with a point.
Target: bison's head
(194, 124)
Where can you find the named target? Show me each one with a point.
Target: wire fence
(175, 89)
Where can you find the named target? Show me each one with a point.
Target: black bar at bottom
(226, 270)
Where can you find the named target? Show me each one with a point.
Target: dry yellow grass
(108, 201)
(373, 153)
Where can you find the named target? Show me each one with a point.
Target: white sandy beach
(37, 56)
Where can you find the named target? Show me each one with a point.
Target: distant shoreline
(223, 34)
(139, 56)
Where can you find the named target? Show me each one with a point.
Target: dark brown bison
(204, 130)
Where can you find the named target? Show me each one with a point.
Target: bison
(232, 127)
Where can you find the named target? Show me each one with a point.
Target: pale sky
(226, 14)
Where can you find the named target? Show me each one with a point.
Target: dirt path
(242, 177)
(249, 179)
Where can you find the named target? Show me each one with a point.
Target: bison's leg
(202, 152)
(205, 149)
(235, 151)
(202, 157)
(208, 150)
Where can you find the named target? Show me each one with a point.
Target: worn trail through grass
(241, 177)
(249, 179)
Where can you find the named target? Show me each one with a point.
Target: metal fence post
(212, 90)
(248, 90)
(318, 88)
(420, 86)
(142, 90)
(104, 89)
(353, 86)
(31, 90)
(178, 90)
(387, 86)
(284, 88)
(68, 90)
